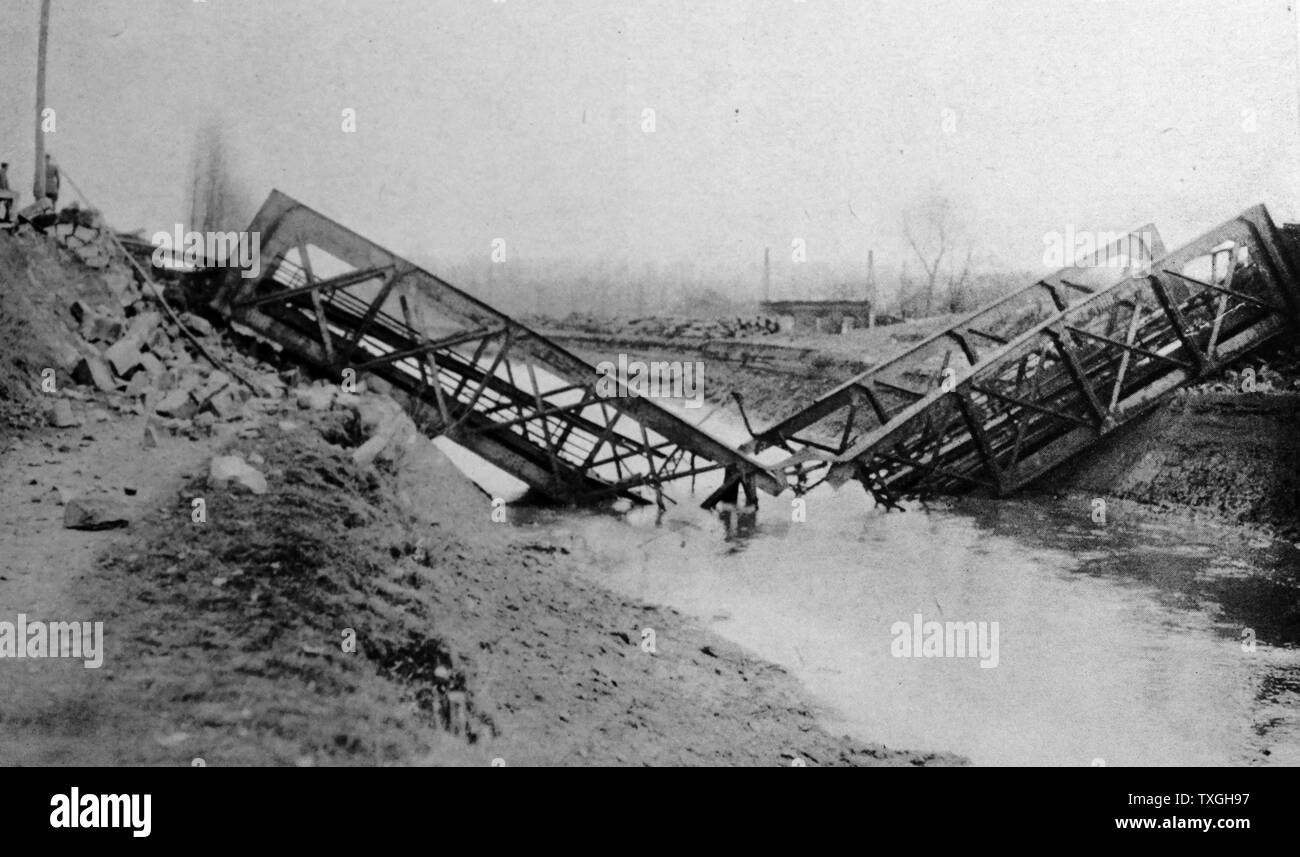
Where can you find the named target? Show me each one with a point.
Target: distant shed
(822, 316)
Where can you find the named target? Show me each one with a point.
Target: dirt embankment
(228, 639)
(1233, 456)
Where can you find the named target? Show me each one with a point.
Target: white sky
(522, 119)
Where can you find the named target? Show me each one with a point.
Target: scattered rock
(152, 366)
(94, 513)
(61, 415)
(197, 324)
(178, 405)
(228, 469)
(93, 371)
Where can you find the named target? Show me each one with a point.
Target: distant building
(821, 316)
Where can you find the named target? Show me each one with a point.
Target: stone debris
(197, 324)
(94, 372)
(61, 415)
(95, 513)
(135, 358)
(229, 470)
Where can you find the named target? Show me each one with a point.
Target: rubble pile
(137, 360)
(79, 230)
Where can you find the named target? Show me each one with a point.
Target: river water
(1140, 641)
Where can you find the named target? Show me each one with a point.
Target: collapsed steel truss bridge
(1016, 388)
(992, 403)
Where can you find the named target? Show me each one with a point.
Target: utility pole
(871, 289)
(767, 274)
(40, 99)
(1295, 13)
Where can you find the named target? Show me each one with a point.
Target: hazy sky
(774, 119)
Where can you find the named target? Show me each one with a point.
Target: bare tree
(933, 233)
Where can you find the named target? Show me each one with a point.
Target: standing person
(51, 182)
(6, 193)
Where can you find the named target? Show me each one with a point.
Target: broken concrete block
(139, 385)
(143, 326)
(61, 415)
(197, 324)
(122, 285)
(153, 367)
(93, 372)
(123, 356)
(178, 405)
(101, 328)
(81, 311)
(95, 513)
(227, 470)
(225, 405)
(92, 255)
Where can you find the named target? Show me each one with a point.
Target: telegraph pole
(40, 99)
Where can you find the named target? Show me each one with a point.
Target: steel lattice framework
(336, 301)
(994, 402)
(999, 398)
